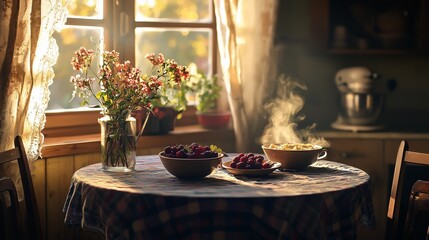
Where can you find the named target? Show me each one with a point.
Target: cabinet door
(366, 154)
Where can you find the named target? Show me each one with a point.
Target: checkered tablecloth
(326, 201)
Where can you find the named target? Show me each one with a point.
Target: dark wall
(406, 108)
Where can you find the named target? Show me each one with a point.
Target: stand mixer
(362, 96)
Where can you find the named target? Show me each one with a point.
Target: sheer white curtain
(27, 54)
(245, 31)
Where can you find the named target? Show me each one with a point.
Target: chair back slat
(417, 158)
(29, 222)
(417, 222)
(9, 155)
(9, 209)
(410, 166)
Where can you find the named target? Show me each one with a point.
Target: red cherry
(243, 159)
(181, 154)
(241, 165)
(266, 165)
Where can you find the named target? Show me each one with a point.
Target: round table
(328, 200)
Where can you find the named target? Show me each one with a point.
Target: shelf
(370, 27)
(352, 51)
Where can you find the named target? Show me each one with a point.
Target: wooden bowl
(296, 160)
(190, 168)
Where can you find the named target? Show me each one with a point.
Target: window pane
(183, 45)
(181, 10)
(70, 39)
(86, 9)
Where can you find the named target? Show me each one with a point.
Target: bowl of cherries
(250, 164)
(191, 162)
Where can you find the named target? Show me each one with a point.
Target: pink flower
(110, 57)
(155, 60)
(124, 87)
(83, 59)
(81, 83)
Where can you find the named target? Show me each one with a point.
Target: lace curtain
(245, 31)
(27, 54)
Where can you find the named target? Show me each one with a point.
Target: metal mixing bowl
(361, 108)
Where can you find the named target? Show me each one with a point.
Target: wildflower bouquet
(123, 89)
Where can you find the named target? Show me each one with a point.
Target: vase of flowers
(118, 143)
(123, 89)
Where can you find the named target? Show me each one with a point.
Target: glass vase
(118, 143)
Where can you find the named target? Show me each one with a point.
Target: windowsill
(90, 143)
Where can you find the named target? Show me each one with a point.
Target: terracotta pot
(214, 120)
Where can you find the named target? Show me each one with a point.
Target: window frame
(68, 122)
(129, 38)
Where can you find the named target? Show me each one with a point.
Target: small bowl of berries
(191, 162)
(249, 164)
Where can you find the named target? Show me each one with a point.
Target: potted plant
(207, 92)
(168, 107)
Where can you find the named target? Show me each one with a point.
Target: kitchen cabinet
(370, 27)
(366, 154)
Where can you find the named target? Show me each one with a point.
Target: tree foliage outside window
(86, 8)
(183, 10)
(181, 29)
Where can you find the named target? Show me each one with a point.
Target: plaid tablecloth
(327, 201)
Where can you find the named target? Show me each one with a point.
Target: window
(184, 30)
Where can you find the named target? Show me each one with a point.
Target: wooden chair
(410, 166)
(18, 223)
(417, 223)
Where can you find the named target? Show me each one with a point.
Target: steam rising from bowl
(282, 116)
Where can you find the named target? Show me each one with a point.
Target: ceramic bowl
(295, 160)
(190, 168)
